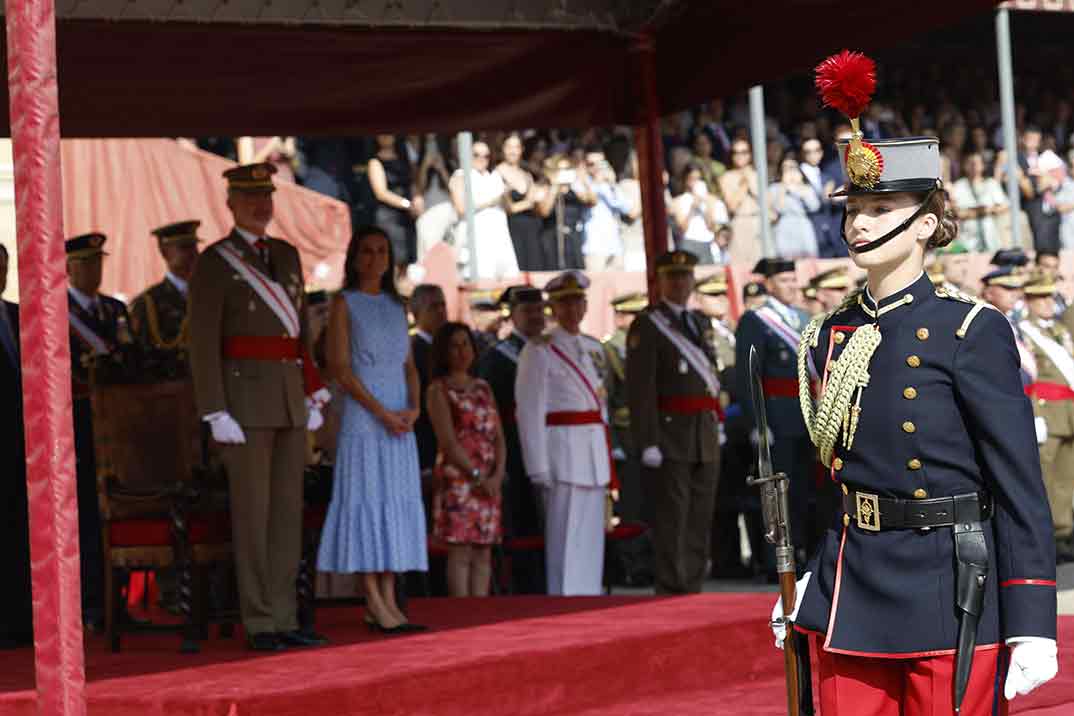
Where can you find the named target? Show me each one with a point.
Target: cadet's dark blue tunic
(941, 416)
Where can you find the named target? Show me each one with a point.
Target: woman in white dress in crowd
(493, 254)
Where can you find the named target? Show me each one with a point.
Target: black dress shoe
(406, 627)
(265, 641)
(301, 638)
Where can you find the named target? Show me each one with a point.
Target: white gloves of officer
(314, 403)
(779, 627)
(652, 457)
(1033, 662)
(1041, 426)
(224, 428)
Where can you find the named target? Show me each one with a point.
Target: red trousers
(865, 686)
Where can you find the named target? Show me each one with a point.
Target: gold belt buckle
(868, 511)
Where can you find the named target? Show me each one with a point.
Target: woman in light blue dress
(376, 522)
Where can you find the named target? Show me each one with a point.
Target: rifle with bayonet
(775, 511)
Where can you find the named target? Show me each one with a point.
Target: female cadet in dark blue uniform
(923, 424)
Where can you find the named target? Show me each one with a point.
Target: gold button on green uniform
(913, 361)
(913, 464)
(908, 427)
(909, 393)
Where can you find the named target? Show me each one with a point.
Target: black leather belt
(874, 513)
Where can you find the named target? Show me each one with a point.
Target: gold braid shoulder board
(837, 410)
(956, 295)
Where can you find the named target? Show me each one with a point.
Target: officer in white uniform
(561, 426)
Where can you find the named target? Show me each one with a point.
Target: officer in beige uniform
(1052, 394)
(675, 417)
(831, 287)
(259, 391)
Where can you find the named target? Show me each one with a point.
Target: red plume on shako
(846, 82)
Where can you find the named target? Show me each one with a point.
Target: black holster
(971, 581)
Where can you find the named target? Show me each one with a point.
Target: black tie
(688, 326)
(263, 251)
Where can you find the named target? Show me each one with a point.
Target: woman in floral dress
(470, 466)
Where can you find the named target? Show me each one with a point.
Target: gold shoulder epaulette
(955, 295)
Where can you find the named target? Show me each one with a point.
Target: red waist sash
(690, 405)
(574, 417)
(1049, 391)
(275, 348)
(780, 387)
(262, 348)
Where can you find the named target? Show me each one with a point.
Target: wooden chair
(152, 483)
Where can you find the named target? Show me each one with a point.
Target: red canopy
(190, 69)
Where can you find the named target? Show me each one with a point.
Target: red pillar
(650, 148)
(46, 360)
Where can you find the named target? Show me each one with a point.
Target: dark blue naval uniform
(107, 325)
(792, 452)
(942, 415)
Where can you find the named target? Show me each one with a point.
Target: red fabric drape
(127, 187)
(46, 360)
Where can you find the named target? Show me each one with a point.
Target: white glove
(618, 454)
(652, 457)
(779, 627)
(321, 398)
(225, 430)
(1042, 429)
(721, 435)
(315, 420)
(1033, 662)
(754, 437)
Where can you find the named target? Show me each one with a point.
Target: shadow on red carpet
(704, 654)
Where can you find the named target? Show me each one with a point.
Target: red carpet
(706, 654)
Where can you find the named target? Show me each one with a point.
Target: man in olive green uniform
(630, 562)
(1052, 393)
(831, 288)
(675, 419)
(158, 315)
(259, 391)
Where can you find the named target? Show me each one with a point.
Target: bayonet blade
(764, 450)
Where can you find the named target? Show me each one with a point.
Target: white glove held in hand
(779, 629)
(1033, 662)
(1041, 426)
(652, 457)
(225, 430)
(315, 420)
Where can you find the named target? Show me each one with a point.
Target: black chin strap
(877, 243)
